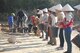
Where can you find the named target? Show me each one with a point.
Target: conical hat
(67, 7)
(40, 12)
(45, 10)
(13, 14)
(52, 9)
(58, 7)
(77, 7)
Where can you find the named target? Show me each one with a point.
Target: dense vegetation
(9, 6)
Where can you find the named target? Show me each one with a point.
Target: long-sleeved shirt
(45, 18)
(41, 18)
(68, 21)
(54, 19)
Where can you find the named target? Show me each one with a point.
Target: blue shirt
(10, 20)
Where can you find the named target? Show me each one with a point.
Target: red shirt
(69, 23)
(33, 19)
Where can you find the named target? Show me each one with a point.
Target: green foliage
(9, 6)
(12, 5)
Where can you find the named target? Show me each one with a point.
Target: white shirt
(41, 18)
(45, 17)
(54, 19)
(25, 21)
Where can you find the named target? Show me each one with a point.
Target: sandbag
(12, 39)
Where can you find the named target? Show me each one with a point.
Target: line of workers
(47, 23)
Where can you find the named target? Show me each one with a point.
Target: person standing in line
(33, 20)
(11, 22)
(29, 23)
(52, 25)
(60, 15)
(25, 25)
(45, 22)
(35, 27)
(41, 25)
(20, 16)
(67, 24)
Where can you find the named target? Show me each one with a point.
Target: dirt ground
(31, 44)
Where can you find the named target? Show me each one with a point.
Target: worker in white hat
(40, 13)
(45, 22)
(41, 25)
(68, 23)
(52, 20)
(60, 15)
